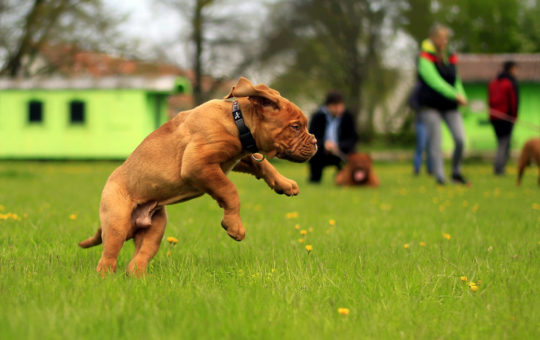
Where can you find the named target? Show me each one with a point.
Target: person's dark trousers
(503, 131)
(319, 162)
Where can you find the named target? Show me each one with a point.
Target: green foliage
(481, 26)
(331, 45)
(268, 286)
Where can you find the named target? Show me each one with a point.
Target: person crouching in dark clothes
(503, 111)
(336, 136)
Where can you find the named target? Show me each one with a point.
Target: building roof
(70, 61)
(160, 84)
(484, 67)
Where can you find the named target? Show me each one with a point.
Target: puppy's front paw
(283, 185)
(234, 230)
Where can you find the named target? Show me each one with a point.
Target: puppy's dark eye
(295, 127)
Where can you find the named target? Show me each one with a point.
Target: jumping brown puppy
(357, 171)
(529, 153)
(189, 156)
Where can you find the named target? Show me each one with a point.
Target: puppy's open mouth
(359, 175)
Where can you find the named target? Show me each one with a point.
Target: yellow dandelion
(169, 253)
(475, 208)
(343, 311)
(536, 206)
(446, 236)
(309, 248)
(292, 214)
(422, 244)
(464, 279)
(73, 217)
(297, 226)
(471, 284)
(474, 288)
(332, 222)
(172, 240)
(301, 240)
(385, 207)
(406, 246)
(303, 232)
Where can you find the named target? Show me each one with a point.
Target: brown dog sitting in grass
(189, 156)
(529, 153)
(358, 171)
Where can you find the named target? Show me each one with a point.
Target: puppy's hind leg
(116, 225)
(147, 242)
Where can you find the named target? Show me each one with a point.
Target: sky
(156, 24)
(148, 19)
(152, 23)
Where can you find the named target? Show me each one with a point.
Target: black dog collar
(246, 138)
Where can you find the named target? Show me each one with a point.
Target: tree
(27, 25)
(220, 40)
(332, 45)
(480, 26)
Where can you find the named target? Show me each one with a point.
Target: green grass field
(386, 259)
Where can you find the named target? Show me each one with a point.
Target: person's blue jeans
(421, 141)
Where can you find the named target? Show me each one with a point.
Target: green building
(81, 118)
(476, 71)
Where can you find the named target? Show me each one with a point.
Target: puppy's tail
(92, 241)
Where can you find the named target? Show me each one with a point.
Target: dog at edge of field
(189, 156)
(529, 152)
(358, 171)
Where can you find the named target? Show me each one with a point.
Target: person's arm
(459, 88)
(512, 100)
(348, 136)
(428, 72)
(317, 127)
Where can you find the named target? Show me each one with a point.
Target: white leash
(503, 116)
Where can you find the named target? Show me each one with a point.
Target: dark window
(35, 111)
(76, 112)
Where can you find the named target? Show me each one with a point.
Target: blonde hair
(436, 29)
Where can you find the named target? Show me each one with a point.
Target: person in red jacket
(503, 111)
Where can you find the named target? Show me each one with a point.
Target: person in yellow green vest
(440, 94)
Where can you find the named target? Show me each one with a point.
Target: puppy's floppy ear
(244, 88)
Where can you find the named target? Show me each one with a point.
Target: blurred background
(89, 79)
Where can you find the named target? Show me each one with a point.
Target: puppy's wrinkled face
(287, 129)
